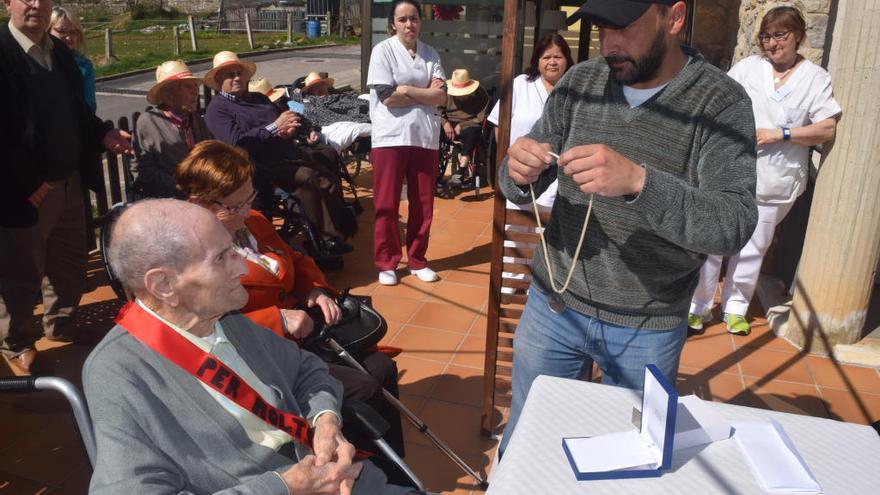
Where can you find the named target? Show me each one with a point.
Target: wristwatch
(786, 133)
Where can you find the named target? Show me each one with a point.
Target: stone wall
(725, 31)
(194, 6)
(815, 12)
(120, 6)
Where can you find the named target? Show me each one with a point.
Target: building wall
(725, 31)
(119, 6)
(816, 13)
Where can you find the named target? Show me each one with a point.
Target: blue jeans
(566, 345)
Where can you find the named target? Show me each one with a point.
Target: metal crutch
(415, 420)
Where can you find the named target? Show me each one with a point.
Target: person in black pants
(51, 143)
(464, 115)
(252, 122)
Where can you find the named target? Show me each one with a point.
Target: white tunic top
(417, 125)
(527, 105)
(804, 99)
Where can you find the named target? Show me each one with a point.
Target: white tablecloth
(844, 457)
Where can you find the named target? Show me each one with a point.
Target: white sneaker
(388, 277)
(425, 274)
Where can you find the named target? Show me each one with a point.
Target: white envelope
(773, 458)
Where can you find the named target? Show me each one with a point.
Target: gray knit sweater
(641, 259)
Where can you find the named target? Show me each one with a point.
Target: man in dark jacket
(50, 142)
(250, 121)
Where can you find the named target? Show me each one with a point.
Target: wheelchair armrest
(365, 417)
(18, 384)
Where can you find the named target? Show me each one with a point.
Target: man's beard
(643, 69)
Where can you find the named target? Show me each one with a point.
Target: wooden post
(289, 28)
(108, 45)
(247, 27)
(341, 18)
(366, 39)
(836, 274)
(176, 32)
(511, 38)
(192, 34)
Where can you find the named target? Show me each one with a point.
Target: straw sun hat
(461, 83)
(167, 73)
(262, 85)
(225, 59)
(314, 78)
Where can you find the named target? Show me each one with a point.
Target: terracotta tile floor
(441, 328)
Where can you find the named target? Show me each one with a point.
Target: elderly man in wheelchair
(189, 396)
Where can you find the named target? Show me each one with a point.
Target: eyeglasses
(64, 33)
(231, 74)
(33, 3)
(778, 36)
(235, 210)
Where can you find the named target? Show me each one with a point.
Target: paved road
(128, 95)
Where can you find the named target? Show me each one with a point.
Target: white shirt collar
(27, 45)
(204, 343)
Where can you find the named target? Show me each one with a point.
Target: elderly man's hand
(449, 131)
(307, 478)
(286, 123)
(526, 159)
(298, 323)
(596, 168)
(118, 141)
(328, 442)
(332, 312)
(436, 83)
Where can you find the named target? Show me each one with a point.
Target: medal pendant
(556, 304)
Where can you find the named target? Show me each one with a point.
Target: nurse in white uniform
(551, 59)
(407, 83)
(794, 109)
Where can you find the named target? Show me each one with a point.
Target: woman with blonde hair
(66, 28)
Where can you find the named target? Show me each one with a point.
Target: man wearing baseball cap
(656, 149)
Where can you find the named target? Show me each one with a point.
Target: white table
(844, 457)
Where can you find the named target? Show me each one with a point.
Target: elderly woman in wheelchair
(462, 118)
(281, 283)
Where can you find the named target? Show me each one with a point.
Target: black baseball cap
(614, 13)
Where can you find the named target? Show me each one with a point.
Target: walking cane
(415, 420)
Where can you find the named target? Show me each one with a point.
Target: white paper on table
(630, 450)
(698, 424)
(773, 458)
(610, 452)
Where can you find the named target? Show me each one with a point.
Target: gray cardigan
(159, 148)
(641, 259)
(159, 431)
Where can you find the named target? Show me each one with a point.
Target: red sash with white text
(209, 370)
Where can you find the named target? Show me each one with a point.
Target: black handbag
(359, 329)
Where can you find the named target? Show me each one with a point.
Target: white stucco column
(842, 246)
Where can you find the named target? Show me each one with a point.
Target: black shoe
(337, 248)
